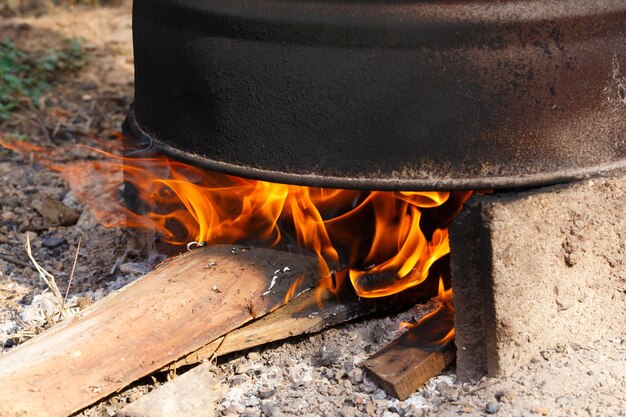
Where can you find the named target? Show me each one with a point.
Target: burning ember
(383, 242)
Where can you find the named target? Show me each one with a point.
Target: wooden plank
(172, 311)
(310, 312)
(402, 368)
(408, 362)
(192, 394)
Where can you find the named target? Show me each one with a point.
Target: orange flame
(436, 327)
(370, 232)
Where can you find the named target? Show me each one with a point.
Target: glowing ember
(369, 232)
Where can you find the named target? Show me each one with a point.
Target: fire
(438, 325)
(355, 235)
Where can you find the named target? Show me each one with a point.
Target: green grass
(25, 77)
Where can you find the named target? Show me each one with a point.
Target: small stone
(327, 357)
(333, 390)
(502, 396)
(54, 212)
(367, 388)
(231, 410)
(237, 380)
(562, 401)
(54, 242)
(492, 407)
(393, 407)
(348, 411)
(241, 368)
(370, 409)
(413, 411)
(268, 409)
(266, 392)
(339, 373)
(253, 356)
(379, 395)
(356, 376)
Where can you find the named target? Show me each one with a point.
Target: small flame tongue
(376, 234)
(436, 328)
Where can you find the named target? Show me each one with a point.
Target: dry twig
(48, 278)
(14, 261)
(69, 283)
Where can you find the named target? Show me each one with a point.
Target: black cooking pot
(385, 94)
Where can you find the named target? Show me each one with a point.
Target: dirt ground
(316, 375)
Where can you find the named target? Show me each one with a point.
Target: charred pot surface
(385, 94)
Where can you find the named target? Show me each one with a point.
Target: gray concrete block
(537, 269)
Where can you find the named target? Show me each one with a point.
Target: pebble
(356, 376)
(241, 368)
(237, 380)
(268, 409)
(339, 373)
(231, 410)
(393, 408)
(503, 395)
(370, 409)
(348, 411)
(492, 407)
(266, 392)
(379, 395)
(54, 242)
(413, 411)
(562, 401)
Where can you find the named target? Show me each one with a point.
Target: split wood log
(172, 311)
(311, 312)
(408, 362)
(193, 394)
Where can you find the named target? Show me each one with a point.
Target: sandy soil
(316, 375)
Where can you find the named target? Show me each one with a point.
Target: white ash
(320, 375)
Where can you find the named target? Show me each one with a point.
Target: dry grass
(52, 304)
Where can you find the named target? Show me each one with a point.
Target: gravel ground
(316, 375)
(320, 375)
